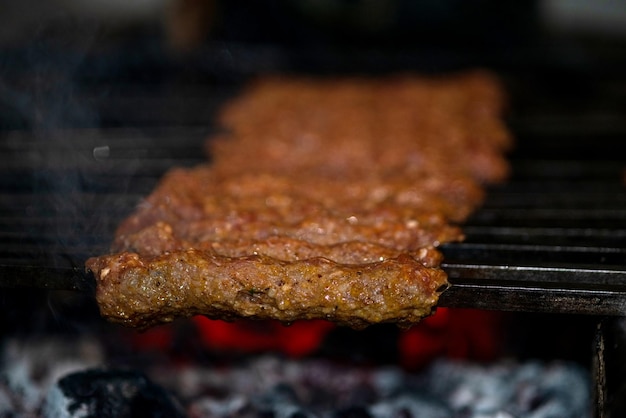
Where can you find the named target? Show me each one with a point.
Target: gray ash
(319, 388)
(34, 383)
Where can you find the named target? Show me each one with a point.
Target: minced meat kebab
(325, 198)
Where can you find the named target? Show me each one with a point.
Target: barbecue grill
(77, 157)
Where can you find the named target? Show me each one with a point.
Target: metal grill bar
(534, 299)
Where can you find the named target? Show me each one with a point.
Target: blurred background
(187, 23)
(51, 51)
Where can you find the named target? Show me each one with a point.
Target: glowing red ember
(450, 333)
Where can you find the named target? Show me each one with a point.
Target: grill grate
(551, 239)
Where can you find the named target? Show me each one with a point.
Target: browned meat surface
(326, 199)
(151, 290)
(398, 125)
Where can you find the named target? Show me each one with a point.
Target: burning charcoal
(410, 406)
(27, 371)
(233, 406)
(7, 407)
(110, 394)
(275, 387)
(531, 389)
(559, 390)
(281, 401)
(353, 412)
